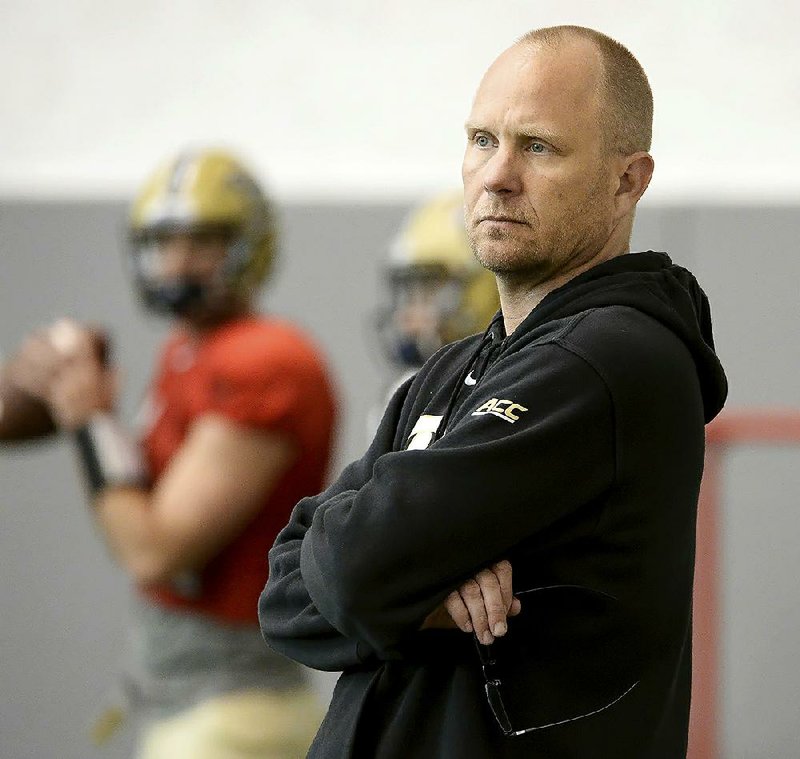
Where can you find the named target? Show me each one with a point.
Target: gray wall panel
(748, 259)
(760, 678)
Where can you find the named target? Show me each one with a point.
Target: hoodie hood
(652, 284)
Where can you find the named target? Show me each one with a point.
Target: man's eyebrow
(532, 131)
(543, 133)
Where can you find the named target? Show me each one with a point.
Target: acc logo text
(508, 411)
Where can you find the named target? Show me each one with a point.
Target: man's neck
(519, 295)
(199, 327)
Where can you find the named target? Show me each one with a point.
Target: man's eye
(482, 140)
(538, 147)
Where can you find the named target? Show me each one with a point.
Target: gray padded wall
(63, 603)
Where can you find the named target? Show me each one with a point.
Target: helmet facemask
(204, 290)
(425, 313)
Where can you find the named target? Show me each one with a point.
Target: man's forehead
(547, 79)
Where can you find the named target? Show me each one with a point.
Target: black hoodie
(573, 448)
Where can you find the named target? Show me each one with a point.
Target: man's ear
(634, 173)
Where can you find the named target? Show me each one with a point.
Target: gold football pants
(252, 724)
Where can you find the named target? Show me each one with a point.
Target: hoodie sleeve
(377, 558)
(290, 621)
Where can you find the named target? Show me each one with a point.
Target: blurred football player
(436, 291)
(237, 428)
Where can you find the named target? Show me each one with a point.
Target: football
(22, 417)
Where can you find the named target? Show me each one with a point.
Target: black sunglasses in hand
(560, 660)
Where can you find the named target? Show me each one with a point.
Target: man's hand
(36, 363)
(82, 383)
(64, 367)
(481, 605)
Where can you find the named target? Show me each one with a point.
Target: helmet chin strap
(414, 350)
(200, 304)
(179, 297)
(407, 352)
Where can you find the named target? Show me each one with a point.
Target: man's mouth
(501, 219)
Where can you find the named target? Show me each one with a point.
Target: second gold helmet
(439, 292)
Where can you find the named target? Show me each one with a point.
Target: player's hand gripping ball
(28, 379)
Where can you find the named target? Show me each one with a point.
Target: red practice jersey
(265, 374)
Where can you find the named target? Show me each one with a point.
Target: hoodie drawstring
(488, 336)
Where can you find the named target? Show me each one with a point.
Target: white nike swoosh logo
(469, 379)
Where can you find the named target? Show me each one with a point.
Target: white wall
(353, 99)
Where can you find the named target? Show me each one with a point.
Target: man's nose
(502, 172)
(416, 318)
(176, 257)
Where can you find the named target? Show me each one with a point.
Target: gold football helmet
(438, 291)
(201, 193)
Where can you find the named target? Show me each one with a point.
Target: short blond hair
(628, 109)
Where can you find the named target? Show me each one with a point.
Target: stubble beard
(536, 254)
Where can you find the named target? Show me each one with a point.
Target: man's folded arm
(290, 621)
(378, 559)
